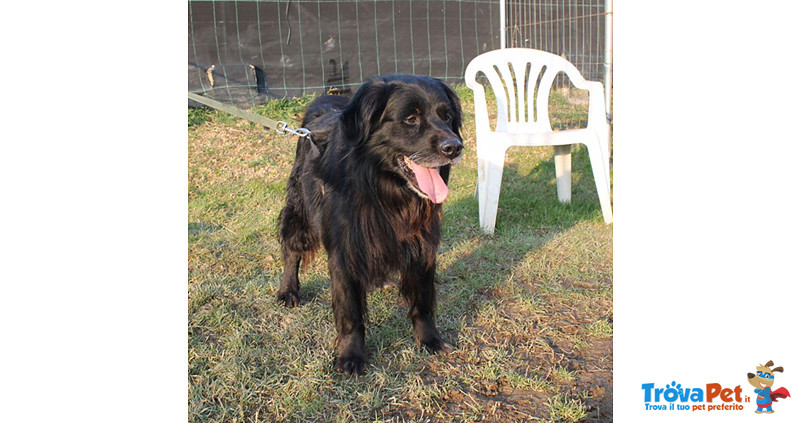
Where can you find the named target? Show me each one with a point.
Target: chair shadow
(543, 218)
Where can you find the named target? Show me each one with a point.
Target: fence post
(607, 61)
(502, 23)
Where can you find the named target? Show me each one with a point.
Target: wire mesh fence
(577, 31)
(245, 52)
(574, 29)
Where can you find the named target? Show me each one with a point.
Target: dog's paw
(351, 365)
(289, 299)
(437, 346)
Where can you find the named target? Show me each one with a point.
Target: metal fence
(578, 30)
(244, 52)
(575, 29)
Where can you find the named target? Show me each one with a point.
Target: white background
(93, 173)
(93, 211)
(706, 215)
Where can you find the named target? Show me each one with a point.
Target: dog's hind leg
(289, 292)
(298, 244)
(417, 287)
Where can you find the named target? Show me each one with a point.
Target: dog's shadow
(313, 289)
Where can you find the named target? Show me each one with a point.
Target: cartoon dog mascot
(763, 380)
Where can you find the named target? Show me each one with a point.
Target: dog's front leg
(417, 286)
(349, 309)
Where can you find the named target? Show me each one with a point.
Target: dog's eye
(447, 117)
(410, 120)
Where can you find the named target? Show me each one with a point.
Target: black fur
(348, 191)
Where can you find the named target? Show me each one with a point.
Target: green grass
(529, 309)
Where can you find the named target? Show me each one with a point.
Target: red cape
(779, 393)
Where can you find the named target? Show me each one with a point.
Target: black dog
(370, 188)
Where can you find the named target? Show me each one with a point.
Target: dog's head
(764, 377)
(412, 124)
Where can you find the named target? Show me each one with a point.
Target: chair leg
(601, 179)
(490, 177)
(562, 155)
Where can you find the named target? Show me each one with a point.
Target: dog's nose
(750, 375)
(451, 147)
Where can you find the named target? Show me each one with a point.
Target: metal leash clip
(282, 128)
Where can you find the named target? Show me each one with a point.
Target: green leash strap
(279, 126)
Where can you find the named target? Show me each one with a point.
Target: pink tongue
(430, 182)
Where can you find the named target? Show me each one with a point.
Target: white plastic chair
(518, 125)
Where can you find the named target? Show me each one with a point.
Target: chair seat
(545, 138)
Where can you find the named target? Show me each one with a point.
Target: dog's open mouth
(426, 181)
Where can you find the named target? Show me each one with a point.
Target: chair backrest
(513, 73)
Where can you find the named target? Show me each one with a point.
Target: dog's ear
(363, 113)
(455, 104)
(778, 369)
(769, 364)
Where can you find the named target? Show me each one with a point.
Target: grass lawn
(529, 309)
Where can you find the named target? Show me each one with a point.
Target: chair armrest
(481, 111)
(597, 106)
(481, 108)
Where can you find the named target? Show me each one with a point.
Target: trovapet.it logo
(711, 397)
